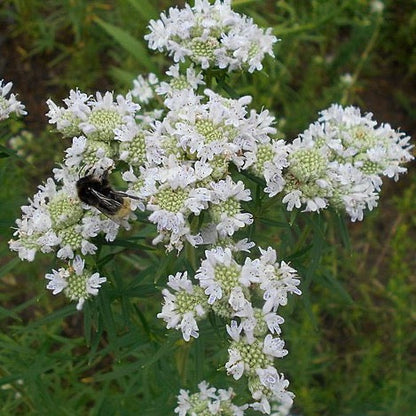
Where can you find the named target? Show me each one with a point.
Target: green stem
(363, 59)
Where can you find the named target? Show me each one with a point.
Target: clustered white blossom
(248, 296)
(211, 35)
(208, 401)
(144, 88)
(183, 154)
(56, 220)
(340, 160)
(92, 124)
(182, 163)
(76, 281)
(11, 104)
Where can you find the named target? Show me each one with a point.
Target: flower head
(11, 104)
(208, 401)
(144, 88)
(339, 161)
(77, 282)
(219, 275)
(211, 35)
(184, 306)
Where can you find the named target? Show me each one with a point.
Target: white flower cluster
(76, 281)
(92, 123)
(339, 161)
(208, 401)
(11, 104)
(184, 159)
(182, 164)
(178, 168)
(248, 296)
(56, 220)
(144, 88)
(211, 35)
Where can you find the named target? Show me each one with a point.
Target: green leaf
(6, 152)
(337, 286)
(56, 316)
(129, 43)
(7, 313)
(342, 230)
(9, 266)
(125, 77)
(145, 9)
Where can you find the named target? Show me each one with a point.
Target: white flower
(191, 80)
(377, 6)
(272, 388)
(234, 330)
(106, 116)
(274, 346)
(57, 280)
(339, 161)
(256, 323)
(276, 279)
(77, 282)
(235, 364)
(144, 87)
(176, 196)
(293, 199)
(74, 154)
(56, 220)
(67, 119)
(247, 356)
(211, 35)
(226, 212)
(267, 159)
(184, 307)
(208, 401)
(9, 105)
(219, 275)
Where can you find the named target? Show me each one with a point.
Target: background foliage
(351, 336)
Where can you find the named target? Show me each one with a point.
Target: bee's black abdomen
(96, 191)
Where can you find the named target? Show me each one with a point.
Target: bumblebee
(96, 191)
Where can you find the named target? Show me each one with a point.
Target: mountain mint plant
(185, 154)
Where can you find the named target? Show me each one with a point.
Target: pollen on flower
(70, 236)
(76, 281)
(340, 159)
(219, 164)
(96, 150)
(186, 301)
(208, 401)
(230, 207)
(370, 168)
(76, 288)
(171, 199)
(264, 154)
(104, 121)
(203, 48)
(134, 150)
(179, 83)
(26, 246)
(209, 130)
(307, 164)
(252, 355)
(69, 124)
(211, 35)
(64, 211)
(227, 277)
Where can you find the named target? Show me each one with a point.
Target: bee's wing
(106, 205)
(123, 194)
